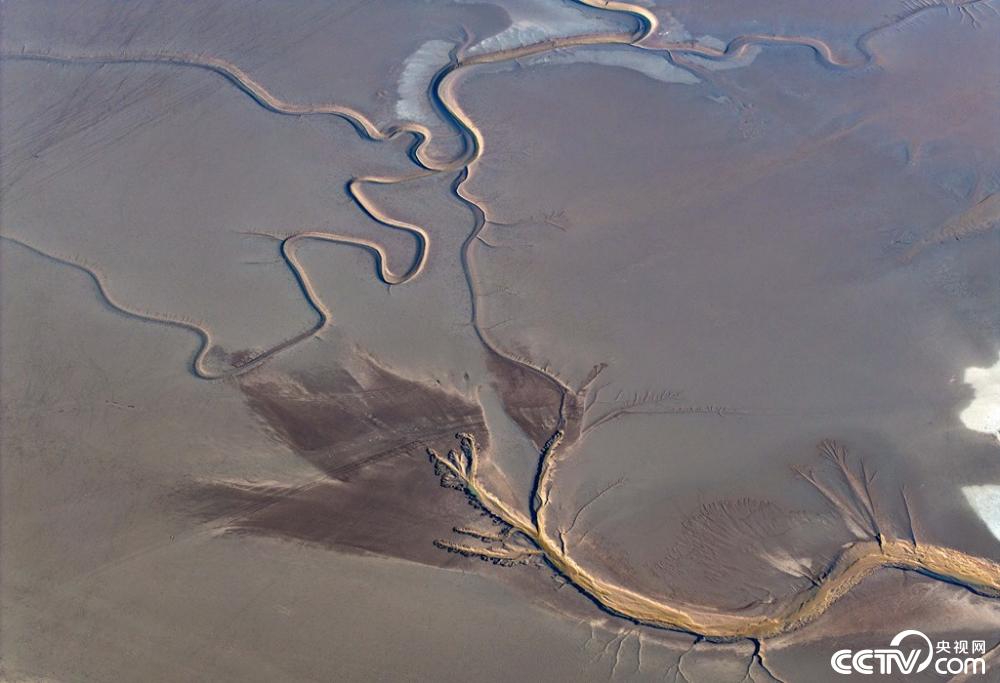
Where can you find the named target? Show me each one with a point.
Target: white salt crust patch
(983, 414)
(985, 500)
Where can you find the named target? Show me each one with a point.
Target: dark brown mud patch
(532, 400)
(366, 430)
(341, 417)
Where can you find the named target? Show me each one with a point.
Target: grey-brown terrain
(522, 339)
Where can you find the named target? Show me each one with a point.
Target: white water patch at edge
(533, 21)
(985, 501)
(419, 68)
(983, 414)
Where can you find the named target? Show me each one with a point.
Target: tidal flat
(527, 339)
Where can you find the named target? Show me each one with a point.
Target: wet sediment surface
(682, 318)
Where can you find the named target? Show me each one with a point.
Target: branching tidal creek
(530, 534)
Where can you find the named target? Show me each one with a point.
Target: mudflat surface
(530, 340)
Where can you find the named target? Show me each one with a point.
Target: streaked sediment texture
(260, 263)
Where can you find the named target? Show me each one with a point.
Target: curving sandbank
(442, 91)
(533, 535)
(523, 536)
